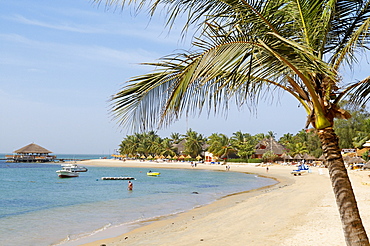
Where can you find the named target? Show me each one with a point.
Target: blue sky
(62, 60)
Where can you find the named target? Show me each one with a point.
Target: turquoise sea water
(38, 208)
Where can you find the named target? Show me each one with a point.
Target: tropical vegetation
(246, 50)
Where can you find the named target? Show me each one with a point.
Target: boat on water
(74, 167)
(67, 172)
(150, 173)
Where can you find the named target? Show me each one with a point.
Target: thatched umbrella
(367, 165)
(356, 160)
(346, 158)
(297, 157)
(286, 156)
(308, 157)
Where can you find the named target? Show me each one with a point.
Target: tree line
(353, 133)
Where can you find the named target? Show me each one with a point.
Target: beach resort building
(268, 144)
(31, 153)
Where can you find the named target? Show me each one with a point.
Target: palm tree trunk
(354, 231)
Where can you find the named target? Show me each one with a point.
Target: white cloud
(71, 27)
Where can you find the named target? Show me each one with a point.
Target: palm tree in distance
(220, 146)
(193, 143)
(271, 134)
(245, 50)
(175, 137)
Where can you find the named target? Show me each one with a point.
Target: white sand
(300, 210)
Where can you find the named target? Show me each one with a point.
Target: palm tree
(243, 143)
(220, 146)
(167, 147)
(193, 143)
(286, 138)
(175, 137)
(245, 48)
(271, 134)
(298, 148)
(129, 145)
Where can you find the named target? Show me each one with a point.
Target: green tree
(309, 139)
(175, 137)
(298, 148)
(220, 146)
(149, 143)
(243, 144)
(259, 136)
(365, 156)
(193, 143)
(167, 147)
(354, 132)
(269, 156)
(286, 139)
(245, 48)
(129, 145)
(314, 144)
(271, 134)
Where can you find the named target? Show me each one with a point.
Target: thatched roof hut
(32, 149)
(269, 144)
(31, 153)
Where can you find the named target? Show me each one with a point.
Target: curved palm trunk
(354, 232)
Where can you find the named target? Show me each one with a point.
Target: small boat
(153, 173)
(74, 167)
(66, 172)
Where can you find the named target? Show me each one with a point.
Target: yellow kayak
(153, 173)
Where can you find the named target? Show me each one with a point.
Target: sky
(61, 61)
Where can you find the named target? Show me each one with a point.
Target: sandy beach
(299, 210)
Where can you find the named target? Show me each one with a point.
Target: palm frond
(350, 31)
(359, 92)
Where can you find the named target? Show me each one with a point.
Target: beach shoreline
(299, 210)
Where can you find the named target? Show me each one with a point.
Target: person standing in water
(130, 185)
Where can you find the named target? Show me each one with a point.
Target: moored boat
(66, 172)
(74, 167)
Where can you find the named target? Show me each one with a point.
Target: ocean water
(38, 208)
(71, 156)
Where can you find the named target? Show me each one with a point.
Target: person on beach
(267, 169)
(130, 185)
